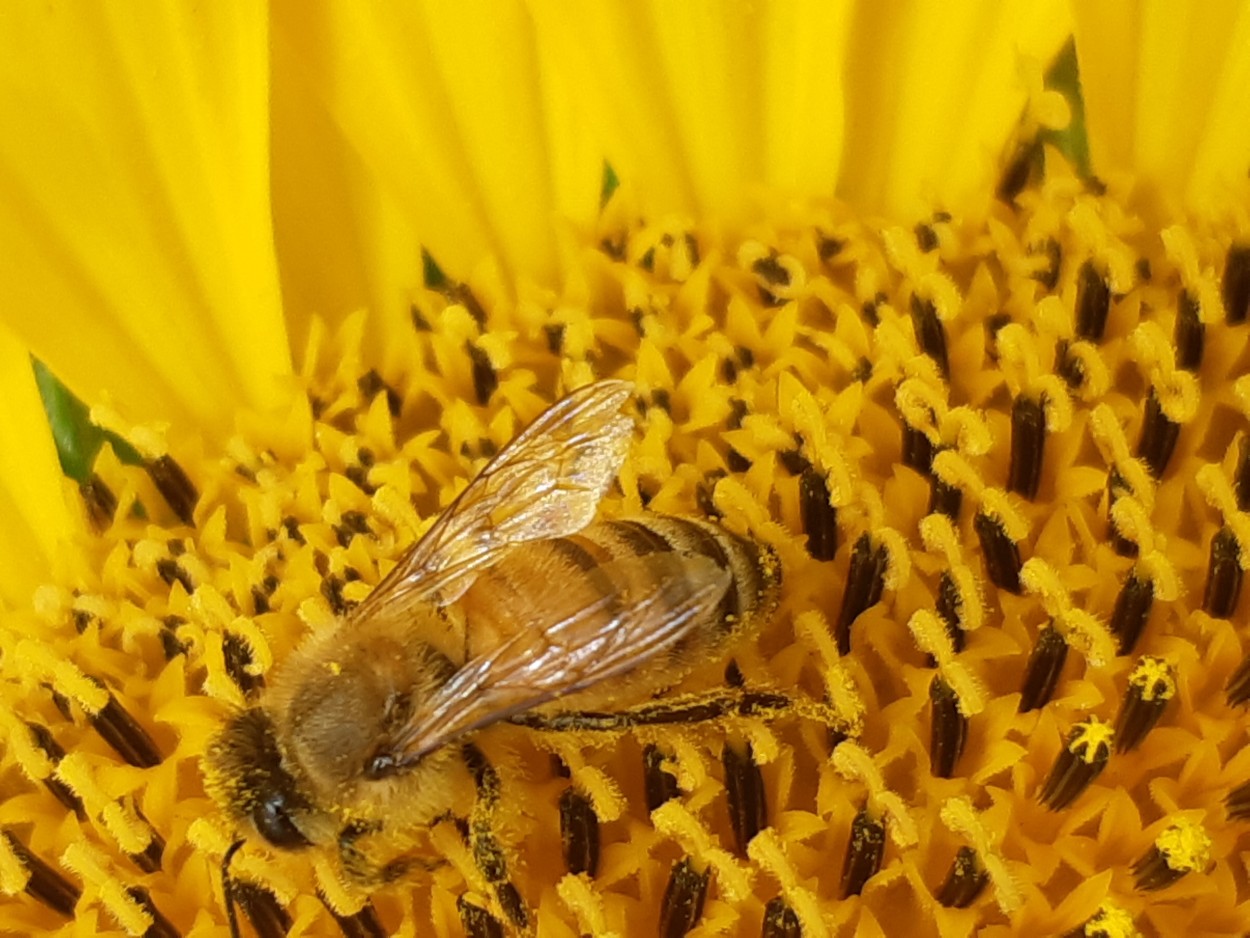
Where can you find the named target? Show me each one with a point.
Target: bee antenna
(227, 888)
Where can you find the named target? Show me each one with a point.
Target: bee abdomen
(753, 567)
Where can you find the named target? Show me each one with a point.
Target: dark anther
(1224, 575)
(238, 657)
(945, 499)
(1189, 334)
(1028, 444)
(1042, 672)
(1151, 685)
(554, 331)
(964, 882)
(1237, 690)
(1048, 276)
(780, 920)
(863, 853)
(1102, 924)
(42, 737)
(793, 461)
(1132, 610)
(744, 785)
(736, 461)
(948, 605)
(930, 333)
(865, 582)
(1237, 802)
(150, 859)
(683, 899)
(477, 922)
(332, 590)
(993, 325)
(1236, 287)
(1117, 486)
(162, 927)
(869, 310)
(1093, 302)
(738, 411)
(820, 519)
(485, 378)
(359, 477)
(290, 525)
(1068, 366)
(828, 248)
(579, 833)
(1024, 165)
(862, 372)
(1241, 476)
(729, 370)
(1152, 872)
(1002, 554)
(419, 322)
(171, 571)
(1081, 760)
(128, 739)
(705, 491)
(512, 904)
(948, 731)
(362, 924)
(45, 884)
(926, 237)
(733, 674)
(1143, 270)
(659, 783)
(100, 501)
(771, 274)
(172, 482)
(371, 383)
(1158, 437)
(260, 601)
(350, 524)
(917, 450)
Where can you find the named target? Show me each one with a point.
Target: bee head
(247, 776)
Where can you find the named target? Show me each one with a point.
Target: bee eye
(274, 823)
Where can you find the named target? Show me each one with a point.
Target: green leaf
(77, 439)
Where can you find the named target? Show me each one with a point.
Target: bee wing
(648, 604)
(547, 482)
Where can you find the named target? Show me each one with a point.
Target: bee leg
(366, 870)
(688, 708)
(482, 841)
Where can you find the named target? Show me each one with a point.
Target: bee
(516, 606)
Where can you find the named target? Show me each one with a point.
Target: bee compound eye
(273, 822)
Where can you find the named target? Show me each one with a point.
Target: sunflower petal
(37, 517)
(700, 110)
(134, 163)
(932, 95)
(455, 112)
(1165, 89)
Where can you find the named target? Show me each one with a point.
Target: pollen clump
(967, 448)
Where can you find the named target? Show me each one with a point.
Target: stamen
(1237, 690)
(1041, 674)
(864, 851)
(1182, 848)
(930, 333)
(23, 871)
(268, 916)
(960, 817)
(580, 897)
(1132, 609)
(819, 516)
(131, 907)
(100, 501)
(682, 905)
(744, 786)
(1190, 333)
(865, 581)
(659, 784)
(1002, 554)
(175, 486)
(1151, 684)
(579, 832)
(1224, 575)
(769, 854)
(1237, 803)
(1028, 442)
(476, 921)
(949, 729)
(1236, 288)
(780, 920)
(1110, 921)
(362, 924)
(1093, 302)
(965, 881)
(1084, 756)
(485, 377)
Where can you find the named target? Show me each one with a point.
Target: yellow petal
(455, 112)
(704, 107)
(933, 92)
(138, 259)
(37, 519)
(1165, 88)
(355, 250)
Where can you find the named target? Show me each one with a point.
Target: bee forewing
(547, 482)
(646, 606)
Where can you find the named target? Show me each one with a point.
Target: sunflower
(966, 351)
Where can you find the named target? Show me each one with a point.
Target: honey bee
(515, 606)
